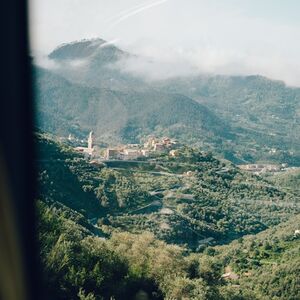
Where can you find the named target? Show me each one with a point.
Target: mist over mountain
(119, 115)
(241, 117)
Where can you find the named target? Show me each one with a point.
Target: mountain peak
(77, 49)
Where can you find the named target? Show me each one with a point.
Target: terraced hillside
(78, 264)
(190, 199)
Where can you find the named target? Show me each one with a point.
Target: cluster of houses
(263, 168)
(151, 146)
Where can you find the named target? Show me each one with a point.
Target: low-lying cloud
(169, 63)
(179, 38)
(157, 63)
(51, 64)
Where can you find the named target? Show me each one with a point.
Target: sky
(231, 37)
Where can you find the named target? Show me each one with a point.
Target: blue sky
(211, 36)
(276, 10)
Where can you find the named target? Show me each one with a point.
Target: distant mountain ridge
(117, 114)
(75, 50)
(83, 49)
(243, 118)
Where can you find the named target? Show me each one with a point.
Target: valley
(187, 226)
(186, 187)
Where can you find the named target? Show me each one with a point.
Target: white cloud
(182, 37)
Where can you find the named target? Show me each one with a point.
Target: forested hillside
(162, 229)
(80, 265)
(289, 180)
(216, 201)
(265, 265)
(66, 107)
(264, 113)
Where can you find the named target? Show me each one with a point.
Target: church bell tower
(90, 140)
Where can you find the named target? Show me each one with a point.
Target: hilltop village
(150, 147)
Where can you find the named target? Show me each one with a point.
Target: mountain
(242, 118)
(92, 63)
(264, 113)
(76, 50)
(66, 107)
